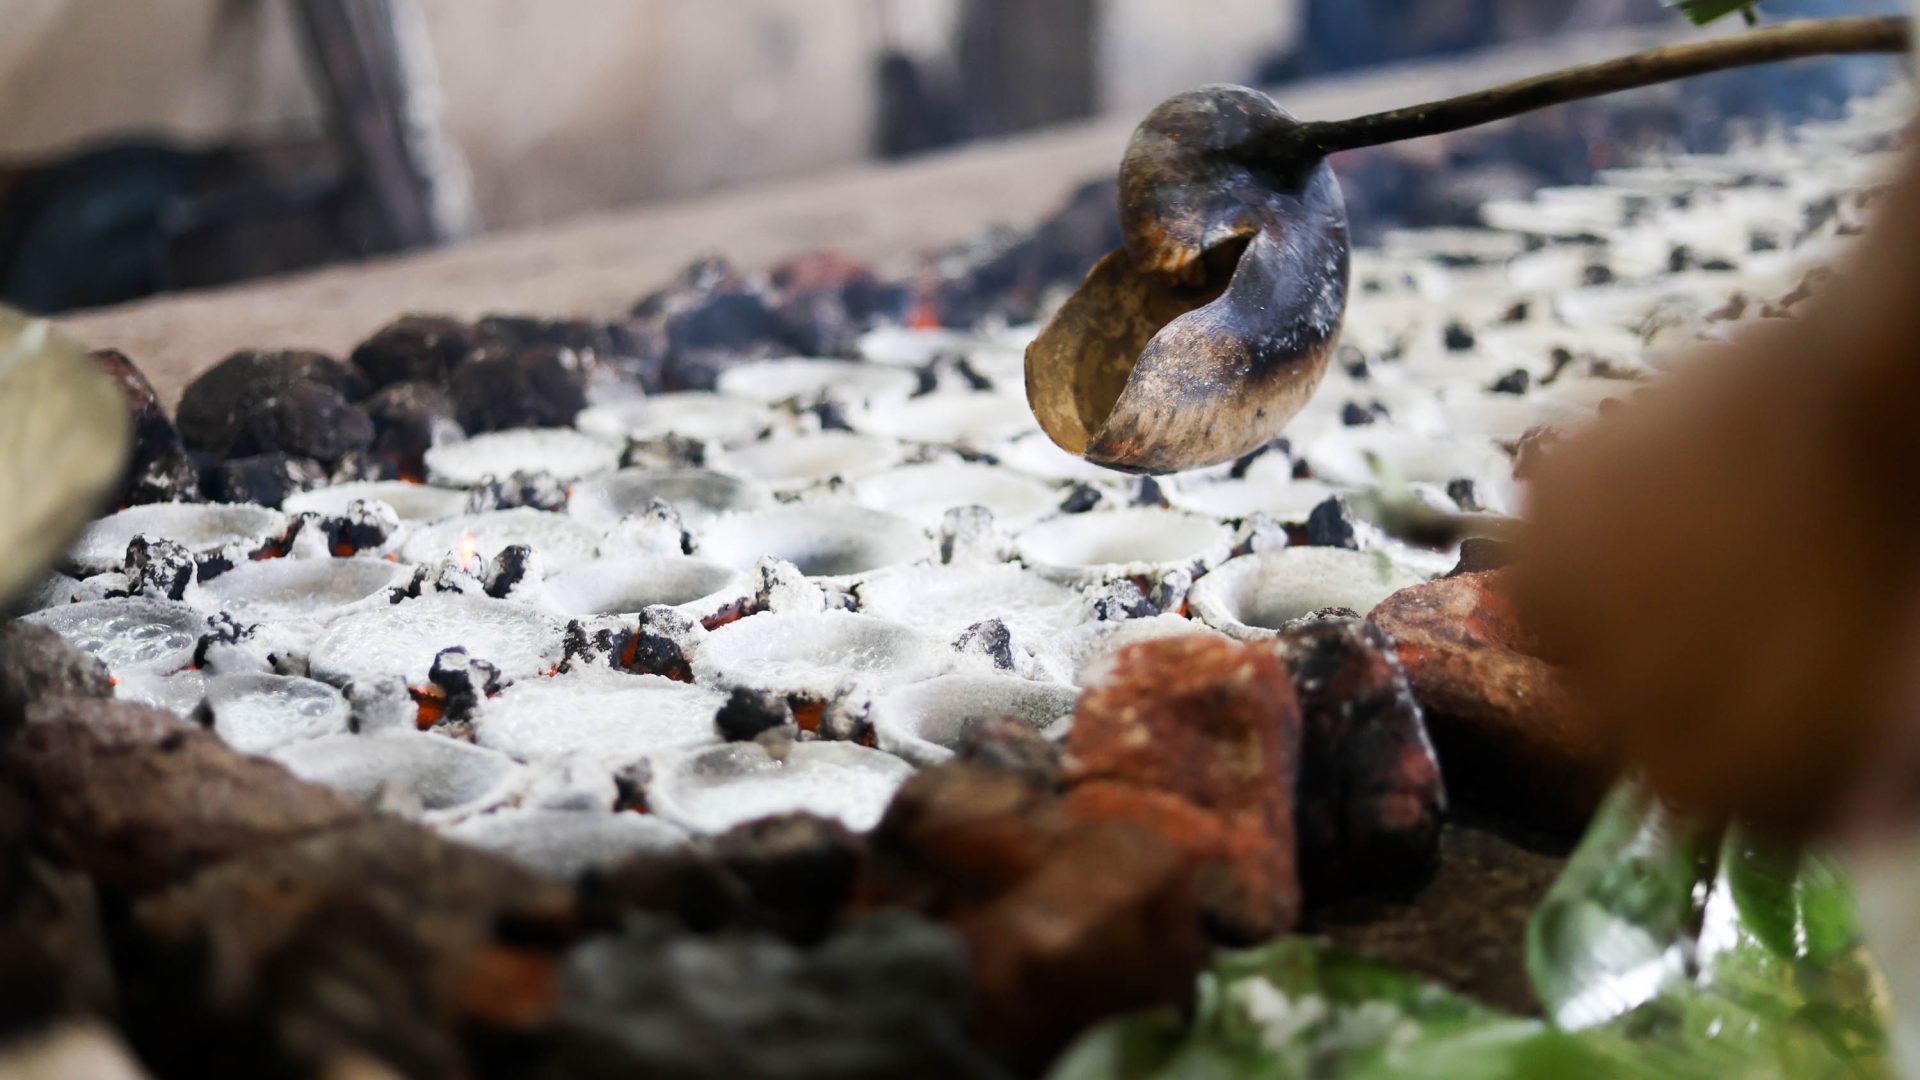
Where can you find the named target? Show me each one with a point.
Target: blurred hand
(1730, 565)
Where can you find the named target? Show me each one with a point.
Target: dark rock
(410, 418)
(884, 998)
(298, 403)
(535, 386)
(1197, 739)
(381, 939)
(158, 568)
(1504, 720)
(1465, 494)
(1005, 742)
(748, 713)
(1369, 800)
(266, 479)
(1331, 524)
(159, 469)
(422, 348)
(36, 663)
(137, 798)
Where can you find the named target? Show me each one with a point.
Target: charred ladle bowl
(1198, 340)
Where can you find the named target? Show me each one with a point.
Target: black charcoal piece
(536, 386)
(1457, 337)
(1245, 462)
(539, 490)
(1150, 493)
(1330, 524)
(159, 468)
(410, 418)
(157, 568)
(266, 479)
(298, 403)
(1465, 494)
(466, 680)
(748, 712)
(510, 567)
(1120, 599)
(427, 348)
(1597, 274)
(1080, 500)
(1517, 381)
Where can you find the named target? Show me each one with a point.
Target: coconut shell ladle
(1199, 339)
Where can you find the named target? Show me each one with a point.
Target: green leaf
(1666, 949)
(1703, 12)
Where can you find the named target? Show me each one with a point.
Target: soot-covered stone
(533, 386)
(299, 403)
(425, 348)
(1369, 799)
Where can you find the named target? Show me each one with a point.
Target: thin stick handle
(1786, 41)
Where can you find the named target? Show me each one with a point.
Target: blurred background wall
(203, 122)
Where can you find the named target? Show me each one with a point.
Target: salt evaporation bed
(630, 584)
(474, 539)
(710, 791)
(567, 843)
(699, 495)
(258, 712)
(1123, 543)
(618, 718)
(1254, 596)
(924, 493)
(446, 776)
(402, 639)
(414, 503)
(825, 540)
(131, 635)
(202, 528)
(816, 656)
(924, 722)
(562, 453)
(282, 589)
(943, 601)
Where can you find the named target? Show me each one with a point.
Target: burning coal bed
(761, 688)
